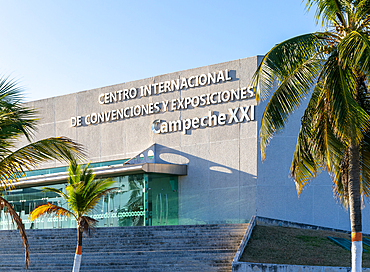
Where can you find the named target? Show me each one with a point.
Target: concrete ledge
(245, 240)
(264, 221)
(260, 267)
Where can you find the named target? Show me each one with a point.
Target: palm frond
(73, 172)
(317, 147)
(329, 122)
(13, 165)
(330, 11)
(83, 191)
(296, 55)
(348, 118)
(75, 198)
(362, 12)
(293, 66)
(57, 191)
(16, 119)
(50, 210)
(10, 91)
(340, 180)
(354, 49)
(95, 192)
(304, 166)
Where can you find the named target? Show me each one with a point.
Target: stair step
(157, 248)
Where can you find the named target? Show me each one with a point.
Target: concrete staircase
(159, 248)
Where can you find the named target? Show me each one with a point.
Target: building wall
(226, 181)
(222, 160)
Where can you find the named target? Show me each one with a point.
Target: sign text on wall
(184, 103)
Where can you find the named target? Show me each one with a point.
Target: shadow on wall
(211, 192)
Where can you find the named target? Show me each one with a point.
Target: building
(184, 149)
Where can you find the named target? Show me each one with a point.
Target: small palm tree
(83, 192)
(16, 121)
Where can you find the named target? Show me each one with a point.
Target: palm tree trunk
(354, 194)
(78, 255)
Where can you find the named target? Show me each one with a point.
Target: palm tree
(17, 121)
(83, 192)
(331, 68)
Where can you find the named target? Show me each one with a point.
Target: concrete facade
(226, 180)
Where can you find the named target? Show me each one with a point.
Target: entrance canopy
(143, 163)
(106, 171)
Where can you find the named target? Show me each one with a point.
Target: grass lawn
(281, 245)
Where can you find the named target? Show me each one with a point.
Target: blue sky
(60, 47)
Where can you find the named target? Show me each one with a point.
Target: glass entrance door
(163, 200)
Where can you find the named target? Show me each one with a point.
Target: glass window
(141, 199)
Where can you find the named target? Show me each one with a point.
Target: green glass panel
(141, 199)
(163, 200)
